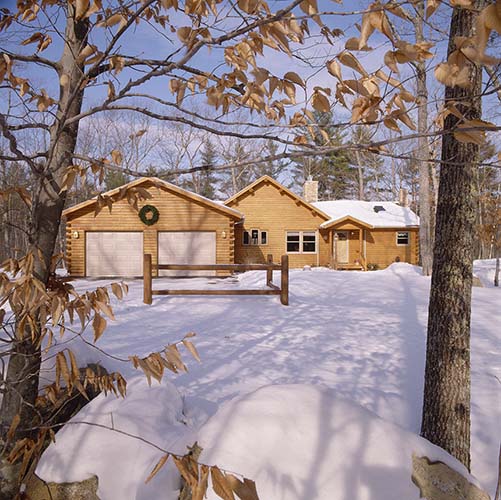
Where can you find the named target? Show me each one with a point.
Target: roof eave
(267, 178)
(167, 185)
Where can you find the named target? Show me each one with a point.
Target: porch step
(350, 267)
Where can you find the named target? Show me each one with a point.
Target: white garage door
(114, 254)
(187, 247)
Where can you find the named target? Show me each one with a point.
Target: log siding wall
(177, 213)
(268, 209)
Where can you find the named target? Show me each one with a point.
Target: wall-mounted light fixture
(223, 235)
(75, 235)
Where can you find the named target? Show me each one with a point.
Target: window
(255, 237)
(309, 243)
(293, 242)
(403, 238)
(301, 242)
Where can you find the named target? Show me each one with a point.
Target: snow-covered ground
(485, 270)
(362, 335)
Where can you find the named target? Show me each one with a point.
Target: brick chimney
(310, 190)
(403, 197)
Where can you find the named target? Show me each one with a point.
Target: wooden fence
(269, 267)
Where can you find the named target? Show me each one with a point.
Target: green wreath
(149, 215)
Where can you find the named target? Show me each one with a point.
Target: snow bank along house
(264, 218)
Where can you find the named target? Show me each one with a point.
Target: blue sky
(147, 42)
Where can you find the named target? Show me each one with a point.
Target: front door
(341, 248)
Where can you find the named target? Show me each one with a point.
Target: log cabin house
(264, 218)
(190, 229)
(342, 234)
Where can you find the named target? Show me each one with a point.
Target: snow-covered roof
(393, 215)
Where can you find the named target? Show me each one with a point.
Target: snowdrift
(297, 441)
(303, 442)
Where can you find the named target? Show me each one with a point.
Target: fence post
(284, 289)
(147, 284)
(269, 271)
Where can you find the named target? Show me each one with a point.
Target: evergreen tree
(207, 177)
(273, 168)
(367, 167)
(114, 179)
(336, 179)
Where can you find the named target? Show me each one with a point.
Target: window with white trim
(403, 238)
(255, 237)
(309, 242)
(293, 242)
(301, 242)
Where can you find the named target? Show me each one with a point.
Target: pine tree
(336, 179)
(114, 179)
(207, 177)
(367, 166)
(273, 168)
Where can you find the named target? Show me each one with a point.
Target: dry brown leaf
(348, 59)
(320, 102)
(249, 6)
(488, 20)
(99, 325)
(63, 371)
(246, 489)
(95, 7)
(293, 77)
(193, 351)
(199, 491)
(13, 426)
(81, 7)
(366, 30)
(473, 136)
(391, 124)
(220, 484)
(158, 466)
(397, 10)
(112, 20)
(431, 7)
(185, 34)
(117, 157)
(117, 291)
(334, 68)
(453, 75)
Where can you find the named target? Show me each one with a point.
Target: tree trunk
(496, 273)
(446, 406)
(360, 170)
(423, 154)
(22, 379)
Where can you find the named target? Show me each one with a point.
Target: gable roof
(393, 215)
(159, 183)
(346, 218)
(266, 179)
